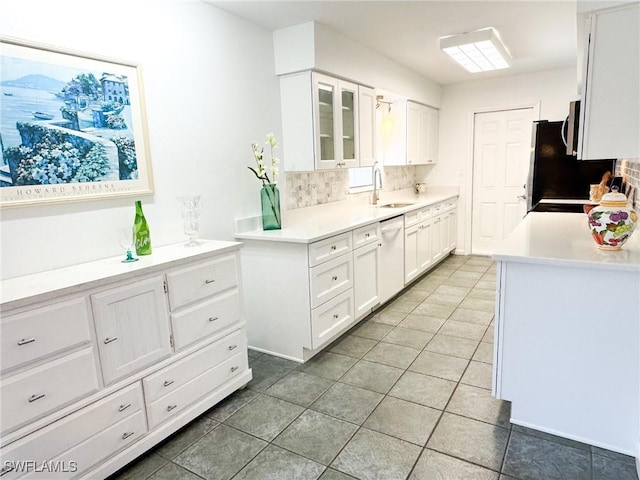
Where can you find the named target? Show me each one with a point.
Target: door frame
(468, 204)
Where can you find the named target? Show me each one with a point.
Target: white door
(501, 156)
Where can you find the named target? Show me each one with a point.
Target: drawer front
(366, 235)
(176, 401)
(31, 335)
(411, 218)
(190, 284)
(425, 213)
(437, 209)
(171, 378)
(206, 318)
(449, 205)
(331, 278)
(53, 440)
(334, 316)
(40, 390)
(324, 250)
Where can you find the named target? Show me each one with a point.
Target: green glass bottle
(141, 232)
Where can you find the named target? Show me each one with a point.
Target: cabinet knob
(123, 407)
(334, 278)
(25, 341)
(335, 315)
(333, 248)
(109, 340)
(171, 407)
(232, 347)
(167, 383)
(126, 435)
(233, 369)
(367, 235)
(36, 396)
(213, 319)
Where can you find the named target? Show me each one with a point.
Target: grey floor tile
(533, 458)
(316, 436)
(221, 453)
(438, 365)
(487, 285)
(554, 438)
(373, 330)
(460, 282)
(423, 389)
(408, 337)
(374, 456)
(329, 365)
(279, 362)
(346, 402)
(444, 299)
(231, 404)
(275, 463)
(472, 267)
(467, 275)
(299, 388)
(265, 374)
(264, 417)
(254, 354)
(620, 457)
(478, 374)
(171, 471)
(423, 323)
(454, 346)
(606, 468)
(478, 304)
(484, 353)
(353, 346)
(477, 317)
(404, 420)
(434, 465)
(479, 260)
(331, 474)
(488, 337)
(389, 317)
(479, 404)
(141, 468)
(372, 376)
(427, 285)
(416, 294)
(403, 304)
(482, 293)
(471, 440)
(434, 310)
(186, 436)
(453, 291)
(392, 355)
(466, 330)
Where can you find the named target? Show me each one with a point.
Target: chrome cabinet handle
(233, 369)
(35, 397)
(126, 435)
(232, 347)
(367, 235)
(25, 341)
(213, 319)
(171, 407)
(334, 278)
(123, 407)
(209, 281)
(109, 340)
(335, 315)
(167, 383)
(333, 247)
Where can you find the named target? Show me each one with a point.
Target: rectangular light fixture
(477, 51)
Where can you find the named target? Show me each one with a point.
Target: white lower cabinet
(67, 412)
(366, 267)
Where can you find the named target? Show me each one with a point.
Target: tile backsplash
(629, 169)
(305, 189)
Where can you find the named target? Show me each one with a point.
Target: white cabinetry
(322, 122)
(610, 115)
(366, 267)
(94, 413)
(413, 135)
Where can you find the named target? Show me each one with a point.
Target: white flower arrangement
(258, 153)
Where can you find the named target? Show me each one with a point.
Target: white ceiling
(541, 35)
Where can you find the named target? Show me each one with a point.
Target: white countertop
(564, 239)
(51, 284)
(310, 224)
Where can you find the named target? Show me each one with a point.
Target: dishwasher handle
(393, 227)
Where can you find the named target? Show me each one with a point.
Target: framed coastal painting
(72, 126)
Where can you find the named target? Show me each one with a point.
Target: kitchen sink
(395, 205)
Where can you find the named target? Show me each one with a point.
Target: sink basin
(395, 205)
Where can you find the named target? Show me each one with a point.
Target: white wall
(552, 90)
(210, 89)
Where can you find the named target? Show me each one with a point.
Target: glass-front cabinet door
(326, 91)
(349, 124)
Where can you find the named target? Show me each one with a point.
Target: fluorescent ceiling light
(478, 51)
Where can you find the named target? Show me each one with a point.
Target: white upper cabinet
(323, 120)
(411, 131)
(610, 117)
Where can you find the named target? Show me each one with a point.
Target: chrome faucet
(376, 194)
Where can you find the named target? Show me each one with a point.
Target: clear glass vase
(191, 208)
(270, 199)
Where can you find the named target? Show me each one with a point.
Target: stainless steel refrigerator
(559, 182)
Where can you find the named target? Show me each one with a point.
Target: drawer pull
(109, 340)
(126, 435)
(367, 235)
(232, 347)
(35, 397)
(233, 369)
(171, 407)
(213, 319)
(123, 407)
(333, 247)
(167, 383)
(209, 281)
(25, 341)
(335, 315)
(334, 278)
(6, 469)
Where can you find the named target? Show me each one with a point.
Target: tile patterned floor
(406, 394)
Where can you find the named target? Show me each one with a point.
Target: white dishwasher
(391, 257)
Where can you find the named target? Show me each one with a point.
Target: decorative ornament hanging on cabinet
(269, 194)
